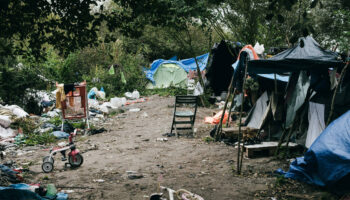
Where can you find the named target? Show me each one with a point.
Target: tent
(308, 65)
(165, 73)
(219, 71)
(327, 161)
(306, 55)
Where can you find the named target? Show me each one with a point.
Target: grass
(171, 91)
(34, 139)
(208, 139)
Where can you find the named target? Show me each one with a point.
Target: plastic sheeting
(327, 161)
(316, 122)
(283, 78)
(260, 109)
(298, 97)
(306, 55)
(186, 64)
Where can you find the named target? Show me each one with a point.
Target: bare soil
(130, 144)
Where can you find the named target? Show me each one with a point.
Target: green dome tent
(169, 75)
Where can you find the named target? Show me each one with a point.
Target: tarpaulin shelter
(165, 73)
(308, 65)
(219, 70)
(327, 161)
(306, 55)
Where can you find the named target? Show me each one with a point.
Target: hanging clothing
(316, 122)
(60, 95)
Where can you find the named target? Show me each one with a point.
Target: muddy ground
(130, 144)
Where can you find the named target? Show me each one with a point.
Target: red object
(73, 98)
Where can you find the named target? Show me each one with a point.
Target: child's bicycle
(75, 159)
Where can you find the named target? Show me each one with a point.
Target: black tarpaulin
(306, 55)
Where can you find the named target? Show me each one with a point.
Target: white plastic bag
(5, 121)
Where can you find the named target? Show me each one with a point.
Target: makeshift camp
(326, 163)
(166, 73)
(293, 103)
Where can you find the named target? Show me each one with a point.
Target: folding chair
(185, 108)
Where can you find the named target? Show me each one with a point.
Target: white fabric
(316, 122)
(259, 112)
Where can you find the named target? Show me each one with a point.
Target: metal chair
(185, 109)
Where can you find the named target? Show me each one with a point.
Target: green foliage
(171, 91)
(34, 139)
(280, 180)
(26, 124)
(79, 125)
(208, 139)
(55, 120)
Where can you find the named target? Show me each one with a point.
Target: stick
(218, 130)
(335, 93)
(239, 161)
(74, 187)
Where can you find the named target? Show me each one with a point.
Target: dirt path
(130, 145)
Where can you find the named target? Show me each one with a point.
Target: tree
(67, 25)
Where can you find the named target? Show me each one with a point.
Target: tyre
(48, 159)
(47, 167)
(77, 161)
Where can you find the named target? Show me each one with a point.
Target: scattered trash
(93, 93)
(5, 121)
(134, 95)
(181, 194)
(62, 196)
(216, 118)
(134, 109)
(99, 180)
(118, 102)
(6, 133)
(51, 191)
(60, 134)
(162, 139)
(144, 115)
(134, 175)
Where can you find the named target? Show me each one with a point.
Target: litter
(216, 118)
(6, 133)
(93, 93)
(99, 180)
(134, 95)
(134, 109)
(60, 134)
(162, 139)
(5, 121)
(180, 194)
(118, 102)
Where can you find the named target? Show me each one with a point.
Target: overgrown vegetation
(83, 43)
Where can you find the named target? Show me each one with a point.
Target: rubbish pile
(31, 191)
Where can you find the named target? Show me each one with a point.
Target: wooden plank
(264, 149)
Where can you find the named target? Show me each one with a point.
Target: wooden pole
(218, 130)
(240, 157)
(335, 93)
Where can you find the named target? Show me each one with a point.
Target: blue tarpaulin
(186, 64)
(327, 162)
(268, 76)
